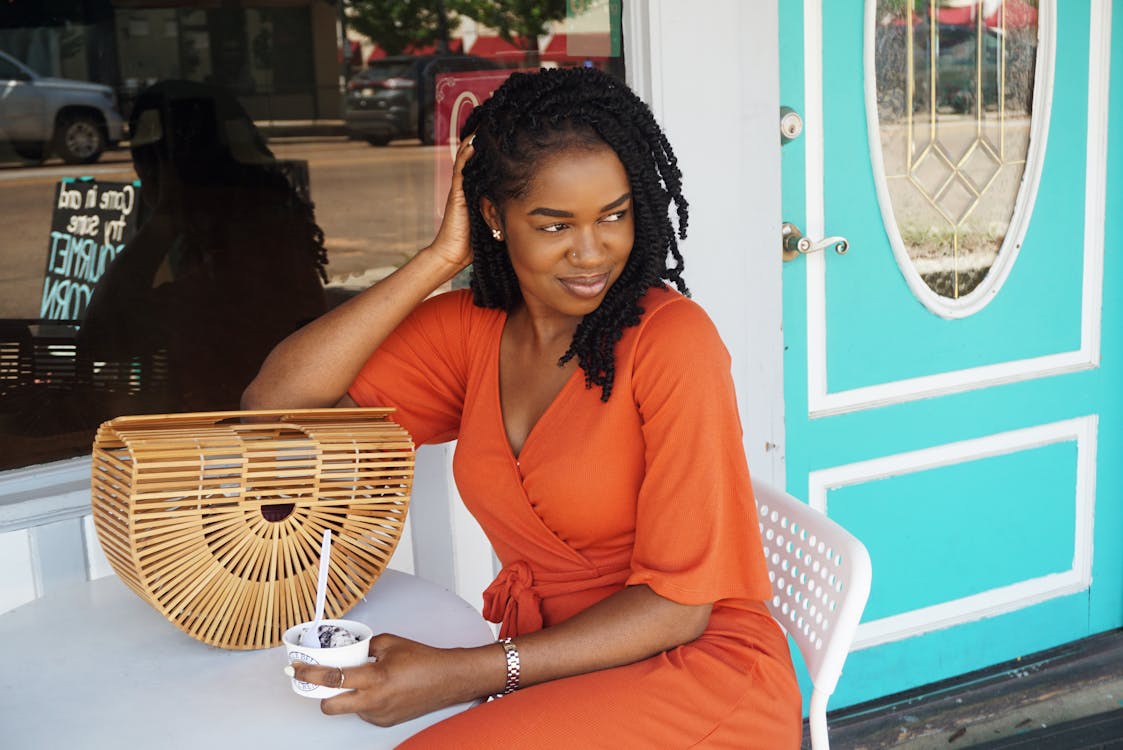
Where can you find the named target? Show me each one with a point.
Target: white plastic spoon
(310, 638)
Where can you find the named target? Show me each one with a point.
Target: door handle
(795, 244)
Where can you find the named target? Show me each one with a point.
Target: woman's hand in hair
(452, 242)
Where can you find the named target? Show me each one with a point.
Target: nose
(587, 250)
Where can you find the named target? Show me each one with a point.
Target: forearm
(406, 678)
(315, 365)
(629, 626)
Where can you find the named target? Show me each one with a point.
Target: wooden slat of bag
(178, 504)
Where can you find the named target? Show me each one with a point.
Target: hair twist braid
(535, 115)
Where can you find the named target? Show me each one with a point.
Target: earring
(498, 235)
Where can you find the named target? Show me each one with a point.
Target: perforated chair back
(820, 577)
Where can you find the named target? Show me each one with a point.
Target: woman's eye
(615, 216)
(553, 227)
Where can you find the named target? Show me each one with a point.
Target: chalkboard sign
(90, 225)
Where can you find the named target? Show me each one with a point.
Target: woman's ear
(491, 214)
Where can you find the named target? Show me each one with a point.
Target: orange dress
(649, 488)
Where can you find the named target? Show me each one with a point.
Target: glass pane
(954, 101)
(160, 245)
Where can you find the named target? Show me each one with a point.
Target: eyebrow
(557, 214)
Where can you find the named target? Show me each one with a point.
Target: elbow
(258, 395)
(266, 393)
(252, 398)
(695, 621)
(685, 623)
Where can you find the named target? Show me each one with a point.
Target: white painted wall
(710, 72)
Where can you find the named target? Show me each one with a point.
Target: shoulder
(452, 309)
(674, 349)
(672, 323)
(456, 302)
(676, 359)
(449, 322)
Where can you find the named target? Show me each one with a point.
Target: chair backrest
(820, 577)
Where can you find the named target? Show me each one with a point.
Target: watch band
(512, 653)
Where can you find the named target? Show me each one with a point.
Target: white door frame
(677, 53)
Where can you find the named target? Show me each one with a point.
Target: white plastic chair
(820, 577)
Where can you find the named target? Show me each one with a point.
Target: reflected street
(375, 205)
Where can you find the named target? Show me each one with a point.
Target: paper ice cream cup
(352, 655)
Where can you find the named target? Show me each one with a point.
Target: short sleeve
(697, 538)
(422, 368)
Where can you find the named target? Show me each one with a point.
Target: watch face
(301, 656)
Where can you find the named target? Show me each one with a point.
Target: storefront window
(210, 179)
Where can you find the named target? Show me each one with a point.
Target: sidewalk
(1065, 698)
(301, 128)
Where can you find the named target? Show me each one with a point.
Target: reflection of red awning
(956, 16)
(497, 47)
(455, 46)
(1019, 14)
(354, 54)
(578, 47)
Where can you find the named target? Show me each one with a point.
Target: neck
(543, 333)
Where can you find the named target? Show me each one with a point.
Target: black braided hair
(536, 115)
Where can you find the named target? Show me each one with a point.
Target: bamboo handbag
(216, 518)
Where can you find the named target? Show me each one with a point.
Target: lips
(585, 287)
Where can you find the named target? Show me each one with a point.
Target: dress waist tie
(512, 601)
(514, 598)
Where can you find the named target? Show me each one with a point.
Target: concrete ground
(1078, 680)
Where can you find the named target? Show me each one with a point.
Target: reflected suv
(39, 115)
(394, 97)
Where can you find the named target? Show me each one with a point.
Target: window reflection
(228, 262)
(262, 195)
(954, 100)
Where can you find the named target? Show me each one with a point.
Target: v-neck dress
(650, 487)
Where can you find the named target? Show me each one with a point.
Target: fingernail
(290, 671)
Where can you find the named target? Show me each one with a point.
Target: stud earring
(498, 235)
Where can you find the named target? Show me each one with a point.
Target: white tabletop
(94, 666)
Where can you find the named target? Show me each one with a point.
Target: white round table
(94, 666)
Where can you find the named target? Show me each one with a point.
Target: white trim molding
(38, 495)
(821, 401)
(1018, 595)
(643, 31)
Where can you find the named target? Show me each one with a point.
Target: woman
(228, 262)
(599, 444)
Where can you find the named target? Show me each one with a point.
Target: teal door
(953, 384)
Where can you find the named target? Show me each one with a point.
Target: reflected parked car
(40, 115)
(394, 97)
(961, 77)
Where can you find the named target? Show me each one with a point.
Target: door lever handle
(795, 244)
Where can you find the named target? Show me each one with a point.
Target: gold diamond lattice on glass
(954, 103)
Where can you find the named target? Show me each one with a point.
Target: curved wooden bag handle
(373, 413)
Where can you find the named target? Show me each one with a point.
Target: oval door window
(956, 116)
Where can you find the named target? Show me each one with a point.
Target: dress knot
(512, 601)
